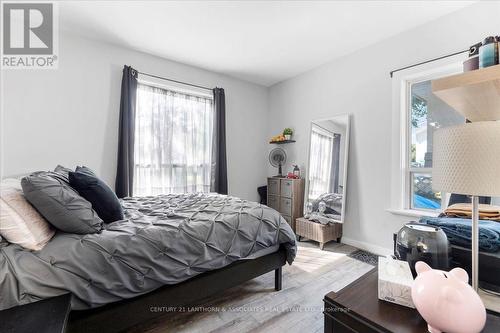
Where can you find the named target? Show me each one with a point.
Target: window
(173, 141)
(426, 113)
(320, 168)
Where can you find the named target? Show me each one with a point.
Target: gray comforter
(163, 240)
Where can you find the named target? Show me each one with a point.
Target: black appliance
(421, 242)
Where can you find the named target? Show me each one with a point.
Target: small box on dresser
(395, 281)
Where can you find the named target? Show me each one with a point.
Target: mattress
(163, 240)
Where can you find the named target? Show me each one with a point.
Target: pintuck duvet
(162, 240)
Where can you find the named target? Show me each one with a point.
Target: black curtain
(219, 163)
(125, 168)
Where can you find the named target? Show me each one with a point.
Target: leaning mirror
(327, 170)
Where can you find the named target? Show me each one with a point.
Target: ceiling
(264, 42)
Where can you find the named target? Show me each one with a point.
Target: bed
(459, 232)
(170, 250)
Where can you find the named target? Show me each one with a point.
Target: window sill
(413, 212)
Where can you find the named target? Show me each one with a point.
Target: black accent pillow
(104, 201)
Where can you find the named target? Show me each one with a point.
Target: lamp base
(475, 242)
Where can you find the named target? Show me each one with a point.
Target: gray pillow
(62, 206)
(64, 172)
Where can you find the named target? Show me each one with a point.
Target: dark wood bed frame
(125, 314)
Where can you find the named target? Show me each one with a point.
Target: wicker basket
(318, 232)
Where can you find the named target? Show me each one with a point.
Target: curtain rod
(427, 61)
(171, 80)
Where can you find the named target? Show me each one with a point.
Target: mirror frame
(346, 159)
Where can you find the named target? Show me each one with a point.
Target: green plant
(287, 131)
(418, 110)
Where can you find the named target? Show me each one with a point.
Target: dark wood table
(46, 316)
(356, 308)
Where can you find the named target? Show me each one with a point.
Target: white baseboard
(381, 251)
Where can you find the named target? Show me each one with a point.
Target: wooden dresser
(356, 308)
(287, 197)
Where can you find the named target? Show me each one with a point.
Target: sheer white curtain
(320, 162)
(173, 142)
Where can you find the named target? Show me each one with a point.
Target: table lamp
(466, 160)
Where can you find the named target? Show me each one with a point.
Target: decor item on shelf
(296, 171)
(422, 242)
(277, 138)
(287, 132)
(277, 157)
(466, 160)
(488, 52)
(472, 63)
(395, 281)
(446, 301)
(295, 174)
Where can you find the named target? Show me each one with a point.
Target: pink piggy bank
(446, 301)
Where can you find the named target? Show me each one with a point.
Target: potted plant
(287, 132)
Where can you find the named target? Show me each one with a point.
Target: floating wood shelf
(281, 142)
(475, 94)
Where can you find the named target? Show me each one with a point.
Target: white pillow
(20, 223)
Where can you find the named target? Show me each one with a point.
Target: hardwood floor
(256, 307)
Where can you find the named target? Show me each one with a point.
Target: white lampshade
(466, 159)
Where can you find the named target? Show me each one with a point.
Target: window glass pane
(422, 196)
(173, 142)
(427, 113)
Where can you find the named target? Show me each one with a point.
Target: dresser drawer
(285, 206)
(286, 188)
(273, 202)
(273, 186)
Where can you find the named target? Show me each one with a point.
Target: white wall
(70, 115)
(359, 84)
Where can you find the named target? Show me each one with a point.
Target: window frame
(401, 175)
(410, 171)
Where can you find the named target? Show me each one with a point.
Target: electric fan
(277, 157)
